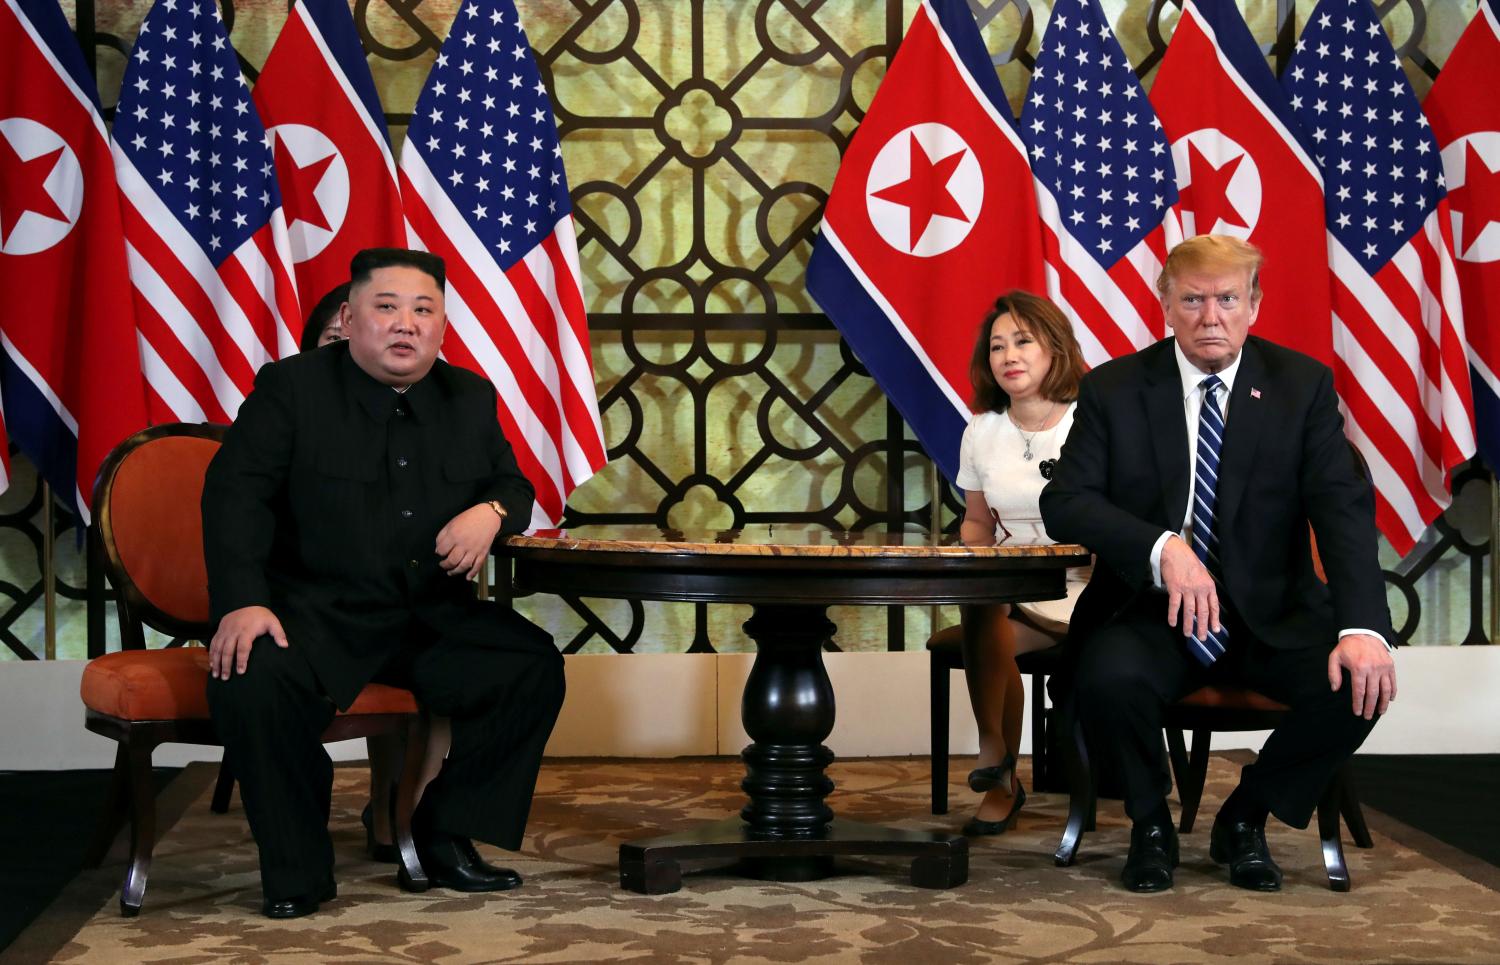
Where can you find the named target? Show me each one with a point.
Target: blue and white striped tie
(1205, 503)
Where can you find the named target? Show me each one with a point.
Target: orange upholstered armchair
(149, 531)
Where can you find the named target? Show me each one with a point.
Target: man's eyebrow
(418, 297)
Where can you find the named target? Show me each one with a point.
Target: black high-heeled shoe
(983, 779)
(384, 853)
(977, 827)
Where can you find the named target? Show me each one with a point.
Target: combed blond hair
(1212, 254)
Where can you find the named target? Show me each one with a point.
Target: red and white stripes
(1403, 375)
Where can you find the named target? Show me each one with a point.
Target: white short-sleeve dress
(991, 461)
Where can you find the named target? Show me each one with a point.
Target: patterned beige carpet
(1414, 900)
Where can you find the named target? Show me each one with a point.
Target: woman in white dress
(1025, 372)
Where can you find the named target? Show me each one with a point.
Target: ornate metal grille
(700, 138)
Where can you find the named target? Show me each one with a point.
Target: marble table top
(801, 541)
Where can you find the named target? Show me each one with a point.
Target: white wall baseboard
(672, 705)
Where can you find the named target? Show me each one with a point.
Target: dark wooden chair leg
(1177, 756)
(1190, 789)
(224, 787)
(1328, 830)
(406, 802)
(1354, 816)
(938, 683)
(116, 810)
(142, 827)
(1041, 766)
(1081, 800)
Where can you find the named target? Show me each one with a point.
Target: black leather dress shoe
(1153, 855)
(298, 906)
(452, 862)
(1242, 846)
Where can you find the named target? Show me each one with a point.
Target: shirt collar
(380, 400)
(1192, 376)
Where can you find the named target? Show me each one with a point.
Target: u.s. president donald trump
(1193, 470)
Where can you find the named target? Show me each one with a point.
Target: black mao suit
(1123, 478)
(324, 505)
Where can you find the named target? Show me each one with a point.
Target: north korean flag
(70, 367)
(931, 217)
(1245, 168)
(1465, 119)
(318, 102)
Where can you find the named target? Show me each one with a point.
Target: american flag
(1467, 128)
(1398, 324)
(1104, 181)
(204, 231)
(483, 186)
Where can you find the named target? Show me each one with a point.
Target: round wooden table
(787, 831)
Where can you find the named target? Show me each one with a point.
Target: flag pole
(935, 524)
(49, 588)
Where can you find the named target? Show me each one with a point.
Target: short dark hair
(1051, 327)
(317, 319)
(366, 262)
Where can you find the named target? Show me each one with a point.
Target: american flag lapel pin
(1255, 393)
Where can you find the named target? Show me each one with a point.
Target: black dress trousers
(1130, 670)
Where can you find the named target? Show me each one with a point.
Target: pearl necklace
(1034, 433)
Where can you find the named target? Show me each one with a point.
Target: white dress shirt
(1192, 405)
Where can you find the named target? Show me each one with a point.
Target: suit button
(401, 462)
(407, 514)
(412, 564)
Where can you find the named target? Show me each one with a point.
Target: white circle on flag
(892, 167)
(1483, 246)
(307, 146)
(35, 231)
(1243, 192)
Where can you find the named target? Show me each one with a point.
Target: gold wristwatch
(499, 510)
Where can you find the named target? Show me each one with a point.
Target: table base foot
(651, 866)
(655, 877)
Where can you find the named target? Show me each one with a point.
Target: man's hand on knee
(1191, 593)
(1372, 673)
(230, 648)
(464, 544)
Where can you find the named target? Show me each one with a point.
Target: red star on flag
(1208, 195)
(925, 191)
(1478, 200)
(299, 183)
(23, 187)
